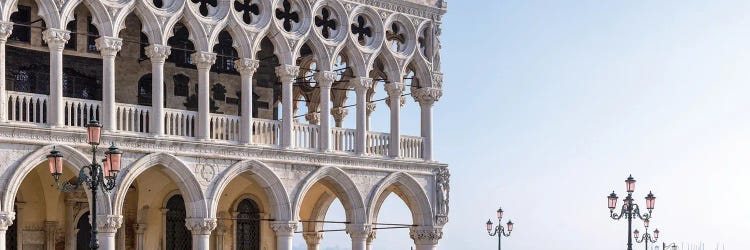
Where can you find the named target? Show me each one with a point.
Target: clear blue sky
(549, 105)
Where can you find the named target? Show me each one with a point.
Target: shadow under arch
(341, 184)
(74, 159)
(268, 180)
(177, 170)
(409, 190)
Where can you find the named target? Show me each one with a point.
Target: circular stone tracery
(327, 23)
(249, 10)
(289, 15)
(205, 7)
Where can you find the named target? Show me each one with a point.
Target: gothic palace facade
(230, 114)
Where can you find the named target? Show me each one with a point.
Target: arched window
(83, 237)
(144, 90)
(176, 234)
(225, 55)
(93, 34)
(22, 20)
(182, 48)
(73, 28)
(248, 225)
(181, 85)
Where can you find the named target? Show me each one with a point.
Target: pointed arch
(409, 190)
(265, 177)
(344, 187)
(158, 23)
(177, 170)
(109, 16)
(71, 156)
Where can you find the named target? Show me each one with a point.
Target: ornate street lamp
(499, 230)
(630, 210)
(646, 236)
(94, 176)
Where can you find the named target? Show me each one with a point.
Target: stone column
(50, 233)
(426, 238)
(107, 226)
(287, 75)
(221, 230)
(158, 55)
(6, 219)
(361, 85)
(313, 240)
(201, 230)
(325, 80)
(203, 61)
(359, 234)
(247, 68)
(339, 113)
(427, 97)
(56, 39)
(108, 48)
(370, 239)
(284, 233)
(140, 230)
(70, 225)
(6, 28)
(370, 108)
(395, 90)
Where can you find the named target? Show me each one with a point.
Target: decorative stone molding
(287, 73)
(158, 53)
(108, 223)
(56, 38)
(108, 46)
(426, 235)
(203, 60)
(246, 66)
(427, 95)
(437, 80)
(6, 219)
(430, 12)
(284, 228)
(202, 226)
(358, 230)
(325, 79)
(6, 28)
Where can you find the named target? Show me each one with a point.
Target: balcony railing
(27, 108)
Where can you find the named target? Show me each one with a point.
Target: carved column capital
(6, 219)
(284, 228)
(437, 80)
(56, 38)
(6, 28)
(108, 46)
(313, 118)
(371, 236)
(202, 226)
(361, 84)
(140, 228)
(358, 230)
(108, 223)
(371, 108)
(158, 53)
(246, 66)
(426, 235)
(312, 238)
(339, 113)
(395, 90)
(427, 95)
(203, 60)
(325, 79)
(287, 73)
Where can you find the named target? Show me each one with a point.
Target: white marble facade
(292, 167)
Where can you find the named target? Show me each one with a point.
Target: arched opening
(176, 234)
(247, 231)
(243, 214)
(393, 210)
(266, 83)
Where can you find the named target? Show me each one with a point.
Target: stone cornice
(406, 7)
(128, 142)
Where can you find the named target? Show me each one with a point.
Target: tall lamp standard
(647, 237)
(499, 230)
(630, 210)
(94, 176)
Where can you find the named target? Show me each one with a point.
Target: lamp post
(647, 237)
(499, 230)
(664, 246)
(94, 176)
(630, 210)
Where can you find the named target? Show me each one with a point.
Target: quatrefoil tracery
(203, 5)
(362, 30)
(396, 37)
(248, 8)
(287, 15)
(326, 23)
